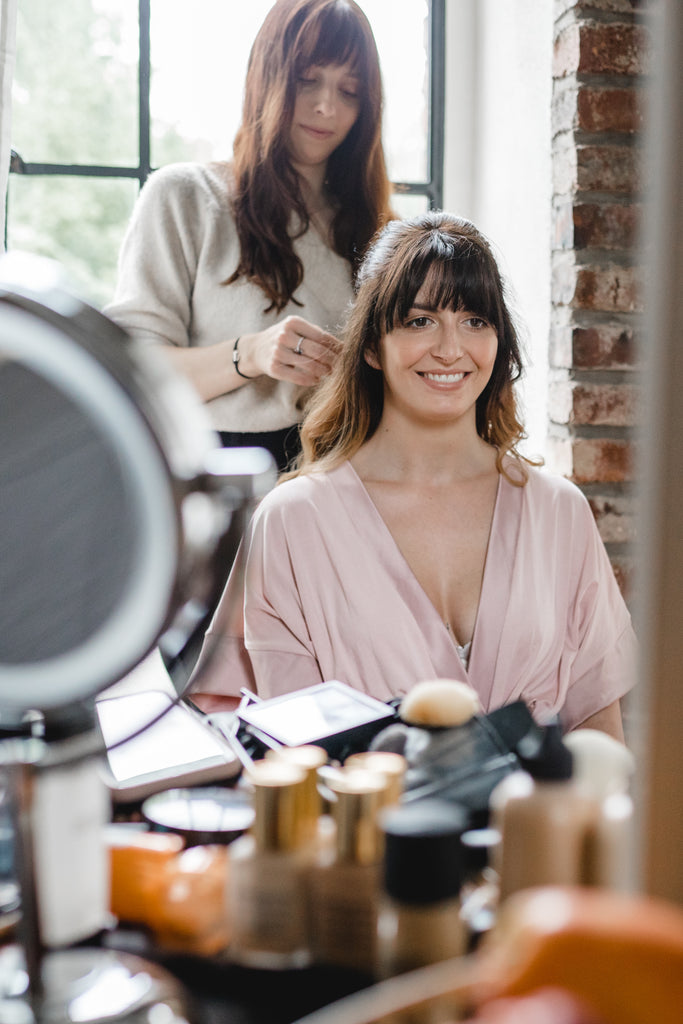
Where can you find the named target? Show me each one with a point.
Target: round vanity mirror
(113, 497)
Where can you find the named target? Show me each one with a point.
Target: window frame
(432, 187)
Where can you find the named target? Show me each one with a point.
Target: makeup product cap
(544, 756)
(309, 758)
(360, 795)
(277, 803)
(392, 766)
(423, 856)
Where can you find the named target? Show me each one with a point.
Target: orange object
(193, 914)
(137, 865)
(621, 955)
(178, 894)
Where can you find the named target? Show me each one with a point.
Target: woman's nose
(448, 346)
(324, 101)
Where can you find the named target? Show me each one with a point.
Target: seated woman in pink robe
(413, 541)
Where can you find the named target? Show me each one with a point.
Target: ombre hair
(453, 260)
(296, 35)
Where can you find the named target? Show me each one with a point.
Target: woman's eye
(418, 321)
(477, 322)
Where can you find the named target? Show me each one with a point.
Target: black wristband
(236, 361)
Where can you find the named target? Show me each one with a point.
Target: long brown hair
(455, 260)
(295, 35)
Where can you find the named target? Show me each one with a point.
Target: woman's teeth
(444, 378)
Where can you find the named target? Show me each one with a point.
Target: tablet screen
(178, 742)
(314, 713)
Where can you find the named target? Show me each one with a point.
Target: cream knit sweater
(180, 245)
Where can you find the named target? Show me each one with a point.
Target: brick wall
(599, 63)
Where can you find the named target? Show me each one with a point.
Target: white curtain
(8, 27)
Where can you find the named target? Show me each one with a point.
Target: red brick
(611, 289)
(612, 6)
(607, 168)
(576, 403)
(605, 288)
(595, 225)
(604, 347)
(615, 517)
(601, 460)
(594, 48)
(606, 405)
(609, 110)
(594, 168)
(606, 225)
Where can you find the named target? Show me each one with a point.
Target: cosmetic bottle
(603, 768)
(316, 828)
(392, 766)
(344, 884)
(542, 815)
(479, 893)
(419, 919)
(267, 902)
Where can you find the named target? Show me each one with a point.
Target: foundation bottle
(603, 768)
(316, 828)
(392, 766)
(419, 920)
(267, 901)
(542, 815)
(344, 884)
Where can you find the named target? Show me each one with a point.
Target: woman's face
(325, 111)
(436, 363)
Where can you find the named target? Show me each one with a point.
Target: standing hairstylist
(244, 270)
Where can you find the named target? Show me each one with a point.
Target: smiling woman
(413, 541)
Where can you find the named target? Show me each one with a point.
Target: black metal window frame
(432, 187)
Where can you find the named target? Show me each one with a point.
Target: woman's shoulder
(556, 493)
(311, 491)
(190, 182)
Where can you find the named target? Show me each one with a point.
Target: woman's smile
(443, 378)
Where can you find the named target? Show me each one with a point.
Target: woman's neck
(424, 453)
(312, 184)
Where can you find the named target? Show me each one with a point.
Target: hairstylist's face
(437, 362)
(325, 111)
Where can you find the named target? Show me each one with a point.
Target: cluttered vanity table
(164, 866)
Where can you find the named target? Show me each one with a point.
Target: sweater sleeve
(158, 257)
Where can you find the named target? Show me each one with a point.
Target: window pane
(410, 205)
(76, 220)
(199, 64)
(74, 96)
(402, 34)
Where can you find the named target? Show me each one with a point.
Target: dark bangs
(456, 274)
(331, 33)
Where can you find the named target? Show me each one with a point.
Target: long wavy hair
(296, 35)
(454, 260)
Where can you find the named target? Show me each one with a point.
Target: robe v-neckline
(495, 588)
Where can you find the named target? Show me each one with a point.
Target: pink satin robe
(330, 596)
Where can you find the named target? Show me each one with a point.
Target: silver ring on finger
(299, 343)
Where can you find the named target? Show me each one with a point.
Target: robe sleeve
(274, 647)
(600, 631)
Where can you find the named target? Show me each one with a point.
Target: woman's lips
(318, 133)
